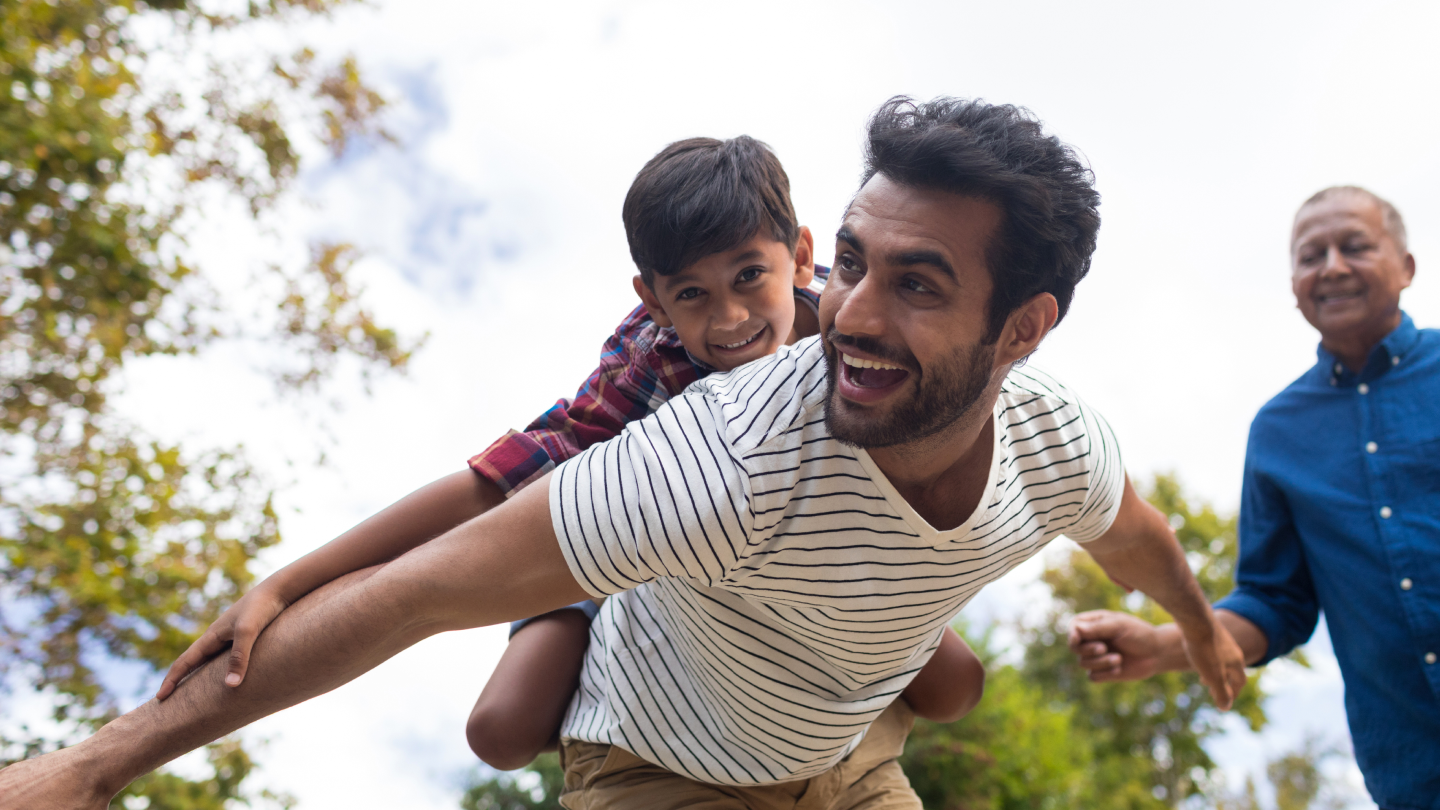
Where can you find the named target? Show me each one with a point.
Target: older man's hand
(1115, 646)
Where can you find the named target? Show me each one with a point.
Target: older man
(784, 544)
(1341, 505)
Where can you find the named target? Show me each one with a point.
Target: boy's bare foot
(55, 781)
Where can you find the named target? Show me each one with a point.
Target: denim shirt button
(1363, 388)
(1406, 584)
(1430, 658)
(1385, 512)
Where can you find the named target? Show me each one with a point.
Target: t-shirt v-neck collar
(913, 518)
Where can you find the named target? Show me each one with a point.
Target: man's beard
(941, 397)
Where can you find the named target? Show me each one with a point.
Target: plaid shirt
(641, 366)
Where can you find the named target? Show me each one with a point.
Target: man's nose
(1335, 263)
(863, 311)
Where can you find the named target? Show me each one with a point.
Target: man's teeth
(859, 363)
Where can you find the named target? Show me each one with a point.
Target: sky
(495, 228)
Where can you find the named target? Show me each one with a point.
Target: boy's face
(733, 307)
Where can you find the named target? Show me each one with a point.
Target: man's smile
(863, 380)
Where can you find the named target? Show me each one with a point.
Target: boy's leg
(518, 713)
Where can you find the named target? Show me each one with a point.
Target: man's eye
(688, 293)
(914, 286)
(1357, 247)
(847, 264)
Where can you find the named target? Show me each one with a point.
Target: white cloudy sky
(497, 229)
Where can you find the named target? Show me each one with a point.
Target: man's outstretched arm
(503, 565)
(1140, 550)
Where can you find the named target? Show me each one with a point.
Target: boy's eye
(688, 293)
(748, 274)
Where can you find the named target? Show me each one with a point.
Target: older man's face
(1347, 271)
(904, 313)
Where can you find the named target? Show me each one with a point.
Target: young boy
(726, 276)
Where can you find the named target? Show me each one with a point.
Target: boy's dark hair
(701, 196)
(1000, 153)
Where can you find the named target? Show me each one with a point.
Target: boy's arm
(631, 381)
(950, 684)
(426, 513)
(634, 377)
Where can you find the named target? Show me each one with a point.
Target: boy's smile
(732, 307)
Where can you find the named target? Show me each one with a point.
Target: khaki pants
(602, 777)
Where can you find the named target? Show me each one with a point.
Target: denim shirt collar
(1385, 355)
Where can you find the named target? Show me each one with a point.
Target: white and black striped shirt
(771, 592)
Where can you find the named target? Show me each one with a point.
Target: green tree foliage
(1044, 736)
(537, 786)
(114, 544)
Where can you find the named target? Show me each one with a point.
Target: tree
(117, 121)
(537, 786)
(1126, 745)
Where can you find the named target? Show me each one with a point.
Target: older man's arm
(1140, 550)
(505, 564)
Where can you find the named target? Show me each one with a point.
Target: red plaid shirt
(641, 366)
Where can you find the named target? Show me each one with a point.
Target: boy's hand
(237, 627)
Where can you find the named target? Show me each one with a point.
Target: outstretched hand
(1115, 646)
(237, 628)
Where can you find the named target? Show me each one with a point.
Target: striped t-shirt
(771, 592)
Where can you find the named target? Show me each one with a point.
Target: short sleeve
(666, 498)
(1106, 480)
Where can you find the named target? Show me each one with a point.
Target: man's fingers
(1102, 663)
(1219, 685)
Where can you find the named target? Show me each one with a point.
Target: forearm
(417, 518)
(1252, 640)
(501, 566)
(327, 638)
(1155, 565)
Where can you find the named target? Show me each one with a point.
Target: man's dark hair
(702, 196)
(1002, 154)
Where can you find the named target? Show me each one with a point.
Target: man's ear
(1026, 327)
(652, 304)
(804, 258)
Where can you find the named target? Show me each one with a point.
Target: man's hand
(1215, 655)
(1118, 647)
(237, 627)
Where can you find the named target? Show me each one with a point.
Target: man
(1341, 505)
(783, 544)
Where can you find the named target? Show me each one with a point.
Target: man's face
(733, 307)
(1347, 272)
(903, 315)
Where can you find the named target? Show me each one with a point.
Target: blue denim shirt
(1341, 512)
